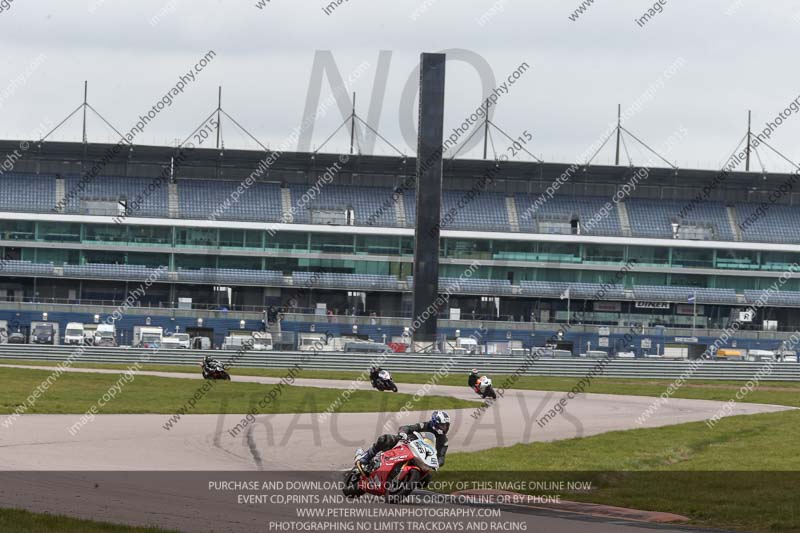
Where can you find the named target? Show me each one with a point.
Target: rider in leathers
(439, 425)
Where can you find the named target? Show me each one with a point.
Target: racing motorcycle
(384, 382)
(397, 472)
(483, 387)
(213, 369)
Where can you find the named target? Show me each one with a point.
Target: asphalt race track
(129, 468)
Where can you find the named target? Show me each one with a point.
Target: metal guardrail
(397, 362)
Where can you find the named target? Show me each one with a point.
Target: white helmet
(440, 422)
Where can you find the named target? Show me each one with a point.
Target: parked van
(147, 337)
(105, 335)
(74, 333)
(760, 355)
(89, 333)
(176, 341)
(44, 333)
(3, 331)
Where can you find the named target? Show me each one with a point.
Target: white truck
(89, 332)
(74, 333)
(463, 346)
(3, 331)
(105, 335)
(176, 341)
(257, 341)
(147, 336)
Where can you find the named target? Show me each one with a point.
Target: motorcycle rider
(439, 425)
(473, 378)
(373, 375)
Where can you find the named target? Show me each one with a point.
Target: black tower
(429, 196)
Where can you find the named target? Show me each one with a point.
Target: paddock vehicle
(384, 382)
(147, 336)
(44, 333)
(214, 369)
(365, 347)
(16, 337)
(396, 472)
(483, 388)
(176, 341)
(74, 333)
(258, 341)
(729, 354)
(105, 335)
(89, 334)
(761, 355)
(4, 331)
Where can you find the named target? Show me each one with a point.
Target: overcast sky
(733, 55)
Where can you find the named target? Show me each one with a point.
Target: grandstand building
(231, 236)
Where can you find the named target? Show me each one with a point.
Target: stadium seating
(684, 294)
(775, 223)
(206, 199)
(344, 281)
(27, 193)
(112, 271)
(371, 205)
(151, 200)
(534, 216)
(654, 218)
(378, 206)
(485, 211)
(231, 276)
(773, 298)
(555, 289)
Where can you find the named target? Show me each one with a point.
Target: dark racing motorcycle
(213, 369)
(384, 382)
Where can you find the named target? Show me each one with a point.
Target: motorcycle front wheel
(394, 387)
(350, 489)
(396, 490)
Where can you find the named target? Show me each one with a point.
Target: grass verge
(776, 393)
(742, 474)
(76, 393)
(19, 521)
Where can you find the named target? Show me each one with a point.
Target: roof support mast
(619, 127)
(85, 103)
(747, 161)
(219, 115)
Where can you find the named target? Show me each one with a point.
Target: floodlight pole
(85, 104)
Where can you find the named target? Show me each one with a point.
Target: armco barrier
(492, 365)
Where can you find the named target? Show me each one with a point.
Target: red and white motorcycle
(396, 472)
(483, 387)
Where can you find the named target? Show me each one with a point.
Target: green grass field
(777, 393)
(18, 521)
(742, 474)
(76, 393)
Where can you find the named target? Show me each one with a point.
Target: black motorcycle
(213, 369)
(384, 382)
